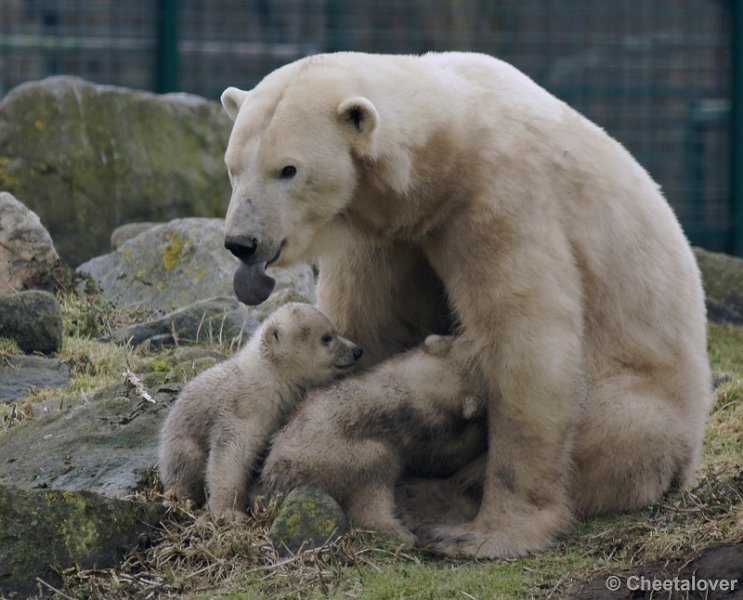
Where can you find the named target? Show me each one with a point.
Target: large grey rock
(176, 264)
(33, 319)
(218, 320)
(89, 157)
(20, 375)
(128, 231)
(308, 519)
(722, 277)
(26, 248)
(44, 531)
(106, 445)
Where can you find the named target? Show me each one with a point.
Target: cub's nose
(240, 246)
(357, 352)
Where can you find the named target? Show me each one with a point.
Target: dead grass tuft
(683, 523)
(194, 552)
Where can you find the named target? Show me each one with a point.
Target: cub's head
(304, 347)
(292, 158)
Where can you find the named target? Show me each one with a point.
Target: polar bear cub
(414, 414)
(220, 424)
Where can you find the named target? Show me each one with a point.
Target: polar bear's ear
(232, 100)
(359, 115)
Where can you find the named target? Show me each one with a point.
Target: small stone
(721, 377)
(33, 319)
(26, 249)
(309, 518)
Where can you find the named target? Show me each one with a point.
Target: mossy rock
(33, 319)
(45, 531)
(176, 264)
(27, 253)
(105, 445)
(308, 519)
(722, 278)
(87, 158)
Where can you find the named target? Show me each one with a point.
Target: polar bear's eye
(326, 339)
(288, 172)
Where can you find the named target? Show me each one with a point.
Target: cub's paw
(230, 515)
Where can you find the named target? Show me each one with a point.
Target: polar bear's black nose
(241, 247)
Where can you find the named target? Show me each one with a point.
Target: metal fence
(656, 74)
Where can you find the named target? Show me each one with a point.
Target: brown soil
(714, 574)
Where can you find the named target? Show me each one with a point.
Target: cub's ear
(272, 336)
(232, 100)
(438, 344)
(359, 116)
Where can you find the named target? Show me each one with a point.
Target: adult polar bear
(417, 180)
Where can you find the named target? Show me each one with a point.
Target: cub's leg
(234, 451)
(374, 506)
(385, 298)
(182, 466)
(634, 445)
(426, 503)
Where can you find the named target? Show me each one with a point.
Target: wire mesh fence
(656, 74)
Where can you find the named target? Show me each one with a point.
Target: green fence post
(736, 115)
(167, 70)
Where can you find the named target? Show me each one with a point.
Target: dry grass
(683, 523)
(194, 552)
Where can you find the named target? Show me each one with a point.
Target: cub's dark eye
(326, 339)
(288, 172)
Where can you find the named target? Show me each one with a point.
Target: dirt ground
(714, 574)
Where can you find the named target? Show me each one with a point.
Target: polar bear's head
(291, 159)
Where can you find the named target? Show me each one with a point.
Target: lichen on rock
(26, 248)
(45, 531)
(308, 519)
(115, 154)
(175, 264)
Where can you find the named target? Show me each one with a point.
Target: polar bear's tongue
(252, 285)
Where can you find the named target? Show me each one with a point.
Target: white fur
(216, 431)
(477, 190)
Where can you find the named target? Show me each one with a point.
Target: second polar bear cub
(413, 414)
(220, 424)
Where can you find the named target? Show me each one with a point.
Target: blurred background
(665, 77)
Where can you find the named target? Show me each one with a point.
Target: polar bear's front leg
(523, 311)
